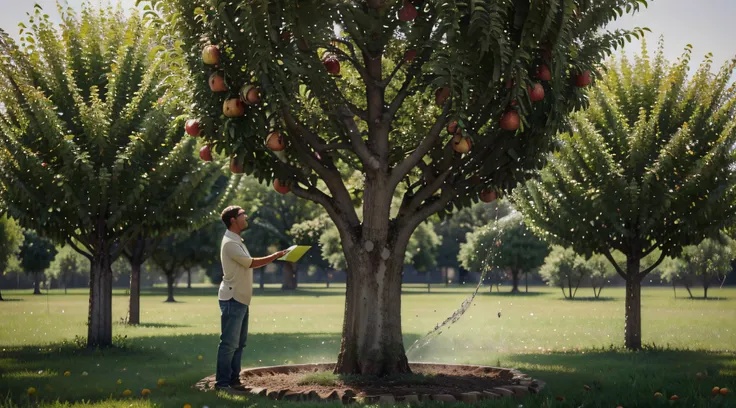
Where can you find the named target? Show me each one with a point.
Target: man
(235, 292)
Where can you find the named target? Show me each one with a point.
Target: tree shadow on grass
(633, 377)
(589, 299)
(154, 325)
(513, 294)
(710, 299)
(11, 300)
(182, 360)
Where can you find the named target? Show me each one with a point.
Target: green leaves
(648, 166)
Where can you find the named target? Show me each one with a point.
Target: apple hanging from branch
(281, 188)
(275, 141)
(217, 82)
(211, 55)
(205, 153)
(192, 127)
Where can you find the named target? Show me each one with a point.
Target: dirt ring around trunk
(428, 382)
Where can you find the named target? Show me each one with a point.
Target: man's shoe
(228, 389)
(238, 386)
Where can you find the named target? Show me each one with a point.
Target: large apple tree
(450, 99)
(647, 169)
(91, 126)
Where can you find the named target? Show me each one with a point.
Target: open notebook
(295, 253)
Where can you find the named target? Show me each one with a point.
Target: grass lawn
(565, 343)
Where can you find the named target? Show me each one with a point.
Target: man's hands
(259, 262)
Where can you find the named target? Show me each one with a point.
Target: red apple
(583, 79)
(543, 73)
(233, 107)
(331, 63)
(409, 55)
(275, 141)
(44, 164)
(217, 82)
(461, 144)
(452, 127)
(510, 120)
(408, 12)
(441, 95)
(211, 55)
(192, 127)
(236, 165)
(281, 188)
(250, 94)
(487, 196)
(536, 93)
(205, 153)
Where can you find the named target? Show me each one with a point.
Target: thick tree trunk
(289, 276)
(371, 340)
(632, 331)
(99, 329)
(170, 279)
(515, 280)
(36, 284)
(134, 305)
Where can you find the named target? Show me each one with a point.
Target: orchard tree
(648, 167)
(453, 230)
(67, 264)
(506, 244)
(564, 268)
(449, 99)
(11, 239)
(709, 260)
(600, 272)
(91, 114)
(35, 256)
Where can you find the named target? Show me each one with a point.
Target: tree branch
(369, 160)
(403, 168)
(332, 178)
(332, 146)
(652, 266)
(316, 196)
(409, 222)
(607, 254)
(80, 251)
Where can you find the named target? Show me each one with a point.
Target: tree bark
(134, 305)
(673, 288)
(36, 284)
(515, 280)
(372, 343)
(289, 276)
(632, 331)
(170, 278)
(189, 278)
(99, 329)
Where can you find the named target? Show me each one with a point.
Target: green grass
(568, 344)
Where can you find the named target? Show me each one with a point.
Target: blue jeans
(234, 332)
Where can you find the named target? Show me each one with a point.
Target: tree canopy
(648, 167)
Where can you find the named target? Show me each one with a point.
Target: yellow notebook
(295, 253)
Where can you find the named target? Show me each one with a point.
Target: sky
(706, 24)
